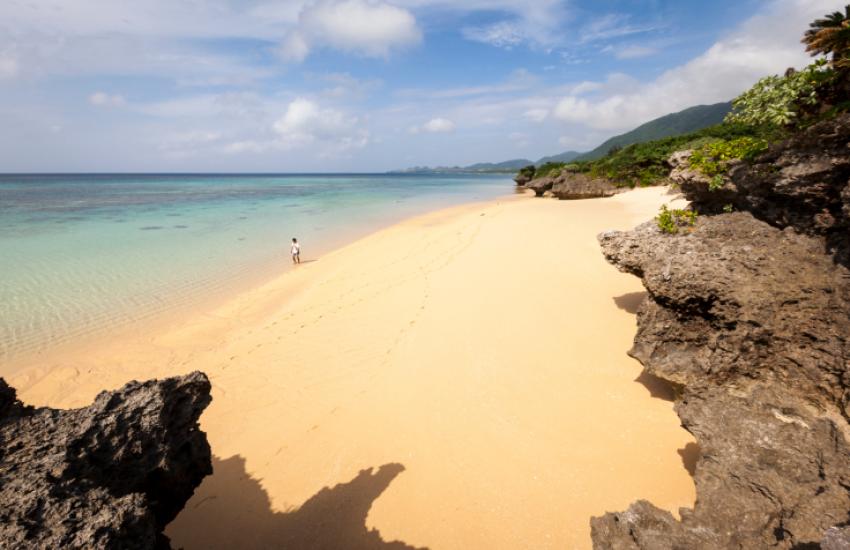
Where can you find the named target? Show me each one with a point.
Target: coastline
(508, 435)
(192, 299)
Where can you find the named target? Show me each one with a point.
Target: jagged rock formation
(540, 185)
(748, 316)
(110, 475)
(524, 177)
(803, 182)
(574, 186)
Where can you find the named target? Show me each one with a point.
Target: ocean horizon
(88, 251)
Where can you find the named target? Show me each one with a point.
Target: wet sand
(456, 381)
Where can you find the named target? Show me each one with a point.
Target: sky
(364, 85)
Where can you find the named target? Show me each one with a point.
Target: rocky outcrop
(837, 538)
(540, 185)
(751, 324)
(110, 475)
(524, 176)
(572, 186)
(803, 182)
(748, 317)
(575, 186)
(682, 173)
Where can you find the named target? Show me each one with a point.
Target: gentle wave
(84, 253)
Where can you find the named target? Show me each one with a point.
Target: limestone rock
(574, 186)
(524, 176)
(801, 183)
(836, 539)
(540, 185)
(110, 475)
(752, 325)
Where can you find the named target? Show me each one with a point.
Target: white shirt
(296, 248)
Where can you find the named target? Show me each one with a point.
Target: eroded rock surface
(540, 185)
(523, 178)
(752, 325)
(803, 182)
(748, 316)
(574, 186)
(110, 475)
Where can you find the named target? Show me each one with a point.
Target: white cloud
(634, 52)
(8, 66)
(186, 144)
(327, 132)
(234, 105)
(344, 85)
(197, 137)
(586, 87)
(765, 44)
(502, 35)
(364, 27)
(519, 139)
(612, 26)
(437, 125)
(294, 47)
(536, 115)
(539, 23)
(103, 99)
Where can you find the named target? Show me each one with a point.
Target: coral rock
(110, 475)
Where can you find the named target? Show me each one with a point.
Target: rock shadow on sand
(630, 302)
(232, 510)
(658, 387)
(690, 454)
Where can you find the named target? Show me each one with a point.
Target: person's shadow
(232, 510)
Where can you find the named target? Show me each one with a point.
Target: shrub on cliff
(671, 220)
(712, 159)
(549, 169)
(783, 100)
(527, 173)
(644, 164)
(799, 98)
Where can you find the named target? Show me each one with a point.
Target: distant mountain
(514, 164)
(508, 166)
(569, 156)
(683, 122)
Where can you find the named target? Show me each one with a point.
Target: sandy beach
(456, 381)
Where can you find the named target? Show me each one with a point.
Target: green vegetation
(643, 164)
(688, 121)
(782, 100)
(549, 169)
(716, 183)
(671, 221)
(831, 36)
(769, 111)
(567, 156)
(712, 159)
(527, 173)
(803, 97)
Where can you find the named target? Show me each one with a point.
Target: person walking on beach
(296, 251)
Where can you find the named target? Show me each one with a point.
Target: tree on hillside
(831, 35)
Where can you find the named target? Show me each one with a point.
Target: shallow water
(82, 253)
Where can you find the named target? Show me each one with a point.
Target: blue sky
(364, 85)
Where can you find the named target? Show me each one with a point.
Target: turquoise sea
(81, 253)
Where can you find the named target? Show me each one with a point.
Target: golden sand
(474, 358)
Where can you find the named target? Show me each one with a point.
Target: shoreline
(203, 301)
(474, 362)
